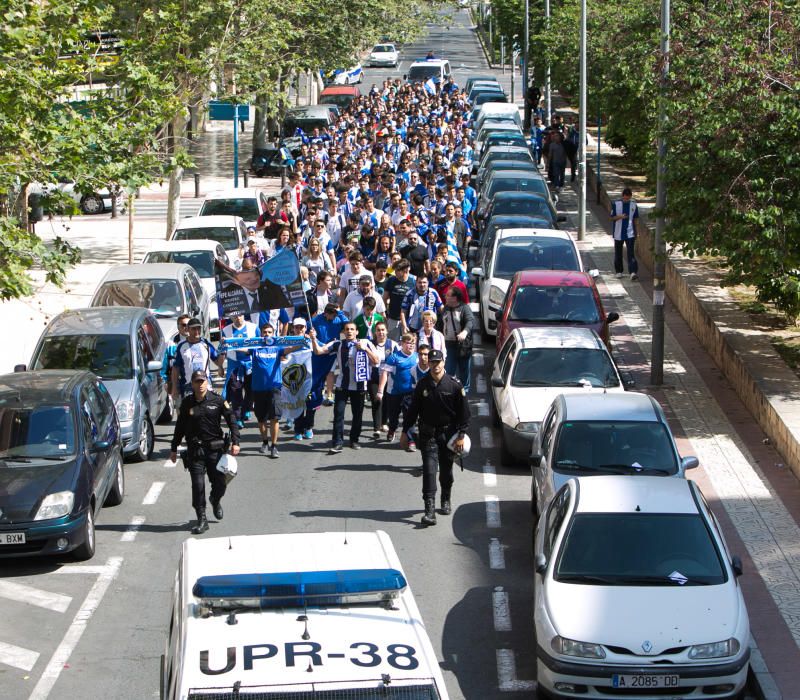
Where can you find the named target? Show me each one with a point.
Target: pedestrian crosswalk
(157, 208)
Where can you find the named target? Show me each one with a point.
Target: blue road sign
(228, 111)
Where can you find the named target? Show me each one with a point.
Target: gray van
(308, 118)
(123, 346)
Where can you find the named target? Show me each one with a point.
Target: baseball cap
(194, 322)
(435, 356)
(299, 321)
(199, 374)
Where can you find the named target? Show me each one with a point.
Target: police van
(432, 68)
(290, 616)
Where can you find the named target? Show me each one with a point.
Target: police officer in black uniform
(200, 422)
(440, 403)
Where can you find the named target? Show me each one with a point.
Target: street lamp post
(581, 155)
(659, 247)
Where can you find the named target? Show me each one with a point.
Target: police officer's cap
(435, 356)
(199, 374)
(194, 322)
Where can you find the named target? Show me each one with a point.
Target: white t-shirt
(349, 281)
(354, 303)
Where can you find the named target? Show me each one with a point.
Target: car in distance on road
(497, 181)
(421, 71)
(587, 434)
(167, 289)
(479, 79)
(348, 76)
(340, 96)
(201, 256)
(247, 203)
(229, 231)
(385, 55)
(123, 346)
(60, 462)
(534, 366)
(636, 593)
(345, 591)
(553, 297)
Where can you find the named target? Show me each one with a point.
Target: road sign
(228, 111)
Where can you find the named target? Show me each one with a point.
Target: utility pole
(548, 99)
(660, 253)
(526, 123)
(503, 53)
(581, 155)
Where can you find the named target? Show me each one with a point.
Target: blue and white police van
(284, 616)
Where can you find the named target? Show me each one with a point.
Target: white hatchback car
(535, 365)
(348, 76)
(514, 250)
(384, 55)
(229, 231)
(248, 203)
(636, 593)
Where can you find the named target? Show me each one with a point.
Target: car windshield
(639, 549)
(30, 432)
(564, 367)
(541, 303)
(515, 184)
(201, 260)
(489, 97)
(162, 296)
(338, 100)
(525, 206)
(614, 447)
(517, 156)
(108, 356)
(246, 207)
(529, 253)
(383, 48)
(424, 71)
(224, 235)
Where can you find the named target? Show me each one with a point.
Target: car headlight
(56, 505)
(125, 411)
(527, 427)
(584, 650)
(496, 296)
(715, 650)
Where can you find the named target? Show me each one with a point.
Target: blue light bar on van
(300, 588)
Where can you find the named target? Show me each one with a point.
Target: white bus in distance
(306, 614)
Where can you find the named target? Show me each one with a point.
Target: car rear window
(108, 356)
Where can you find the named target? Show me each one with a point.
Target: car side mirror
(736, 565)
(154, 366)
(20, 368)
(498, 382)
(561, 218)
(612, 316)
(540, 564)
(100, 445)
(477, 272)
(689, 463)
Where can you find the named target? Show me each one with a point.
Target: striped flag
(430, 86)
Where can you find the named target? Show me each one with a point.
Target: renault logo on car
(647, 646)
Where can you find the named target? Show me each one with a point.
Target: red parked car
(553, 297)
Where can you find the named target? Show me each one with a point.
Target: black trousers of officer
(202, 461)
(435, 454)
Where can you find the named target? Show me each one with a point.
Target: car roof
(201, 244)
(560, 278)
(43, 385)
(146, 271)
(340, 90)
(430, 62)
(102, 320)
(627, 406)
(515, 174)
(517, 194)
(557, 337)
(505, 233)
(616, 493)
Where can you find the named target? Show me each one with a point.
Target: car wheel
(86, 549)
(506, 458)
(116, 493)
(144, 448)
(92, 204)
(166, 415)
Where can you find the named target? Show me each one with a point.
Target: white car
(349, 76)
(229, 231)
(248, 203)
(514, 250)
(89, 203)
(636, 593)
(535, 365)
(384, 55)
(200, 255)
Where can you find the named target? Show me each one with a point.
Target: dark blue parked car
(60, 461)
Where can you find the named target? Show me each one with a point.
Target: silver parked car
(123, 346)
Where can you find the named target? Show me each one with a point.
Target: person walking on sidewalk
(625, 227)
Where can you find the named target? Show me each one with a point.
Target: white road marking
(500, 610)
(482, 407)
(476, 340)
(487, 439)
(78, 569)
(497, 557)
(480, 384)
(133, 529)
(76, 630)
(489, 475)
(507, 673)
(152, 495)
(169, 464)
(17, 657)
(492, 511)
(34, 596)
(477, 359)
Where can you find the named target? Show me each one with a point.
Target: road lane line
(497, 557)
(480, 384)
(500, 610)
(152, 495)
(507, 673)
(492, 511)
(78, 569)
(489, 475)
(487, 439)
(76, 630)
(133, 529)
(17, 657)
(482, 407)
(477, 359)
(34, 596)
